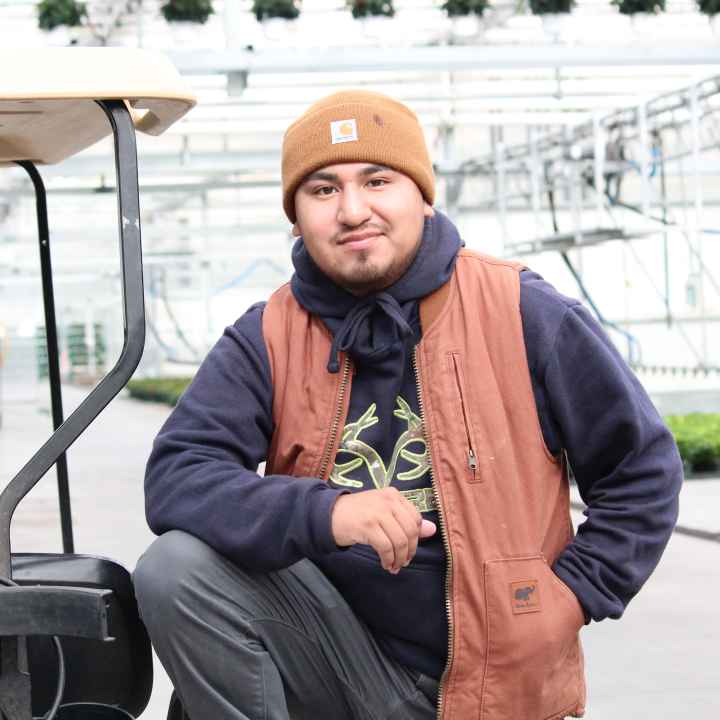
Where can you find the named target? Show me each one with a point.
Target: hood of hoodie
(375, 327)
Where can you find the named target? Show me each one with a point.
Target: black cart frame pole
(133, 322)
(51, 338)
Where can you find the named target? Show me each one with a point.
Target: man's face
(361, 223)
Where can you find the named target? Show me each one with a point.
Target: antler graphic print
(367, 455)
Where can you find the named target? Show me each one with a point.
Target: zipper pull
(472, 460)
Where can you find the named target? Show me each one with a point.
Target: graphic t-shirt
(383, 445)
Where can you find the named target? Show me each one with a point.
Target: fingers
(385, 520)
(401, 527)
(411, 521)
(394, 545)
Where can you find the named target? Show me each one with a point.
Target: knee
(165, 572)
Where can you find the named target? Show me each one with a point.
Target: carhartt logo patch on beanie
(343, 131)
(355, 126)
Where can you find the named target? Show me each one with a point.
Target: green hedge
(164, 390)
(698, 439)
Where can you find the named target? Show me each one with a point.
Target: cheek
(316, 222)
(318, 244)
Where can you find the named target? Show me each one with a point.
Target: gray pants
(265, 646)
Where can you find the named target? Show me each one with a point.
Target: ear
(428, 210)
(296, 230)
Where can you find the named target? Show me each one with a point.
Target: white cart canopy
(47, 108)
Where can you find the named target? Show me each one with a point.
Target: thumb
(427, 528)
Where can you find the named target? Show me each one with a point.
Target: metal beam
(438, 58)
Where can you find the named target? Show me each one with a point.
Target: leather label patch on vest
(525, 596)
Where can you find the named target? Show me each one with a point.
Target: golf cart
(72, 646)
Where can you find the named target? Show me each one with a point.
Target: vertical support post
(644, 159)
(535, 179)
(696, 237)
(140, 15)
(206, 266)
(571, 153)
(567, 142)
(233, 23)
(501, 197)
(492, 129)
(660, 160)
(576, 203)
(600, 144)
(455, 181)
(52, 349)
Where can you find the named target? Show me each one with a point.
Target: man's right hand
(383, 519)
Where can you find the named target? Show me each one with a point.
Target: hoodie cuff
(320, 518)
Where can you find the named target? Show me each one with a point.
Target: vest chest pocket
(534, 666)
(480, 448)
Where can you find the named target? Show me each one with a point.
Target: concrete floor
(661, 661)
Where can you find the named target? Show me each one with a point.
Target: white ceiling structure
(488, 94)
(507, 71)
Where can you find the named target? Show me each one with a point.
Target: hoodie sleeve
(624, 458)
(202, 477)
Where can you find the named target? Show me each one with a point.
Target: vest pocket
(472, 457)
(534, 666)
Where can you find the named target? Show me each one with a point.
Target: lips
(358, 237)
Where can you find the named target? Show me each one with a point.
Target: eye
(377, 182)
(324, 190)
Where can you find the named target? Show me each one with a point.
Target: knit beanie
(355, 126)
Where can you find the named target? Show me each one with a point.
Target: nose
(353, 209)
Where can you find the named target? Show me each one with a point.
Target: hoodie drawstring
(347, 333)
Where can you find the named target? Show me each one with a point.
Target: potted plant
(711, 8)
(551, 7)
(183, 17)
(190, 11)
(642, 13)
(463, 8)
(465, 16)
(554, 15)
(269, 9)
(277, 18)
(371, 8)
(634, 7)
(110, 21)
(60, 13)
(374, 15)
(65, 22)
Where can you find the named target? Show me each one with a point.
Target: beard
(367, 276)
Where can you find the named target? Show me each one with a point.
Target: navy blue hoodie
(202, 474)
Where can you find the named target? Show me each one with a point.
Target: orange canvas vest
(514, 648)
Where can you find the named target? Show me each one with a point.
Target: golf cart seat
(72, 644)
(117, 673)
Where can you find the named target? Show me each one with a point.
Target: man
(409, 549)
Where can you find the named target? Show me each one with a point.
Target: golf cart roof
(47, 98)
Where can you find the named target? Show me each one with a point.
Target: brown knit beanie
(355, 126)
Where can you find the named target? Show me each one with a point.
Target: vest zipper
(336, 419)
(446, 544)
(472, 457)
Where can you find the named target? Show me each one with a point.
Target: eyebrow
(332, 177)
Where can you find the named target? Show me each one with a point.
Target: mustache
(368, 227)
